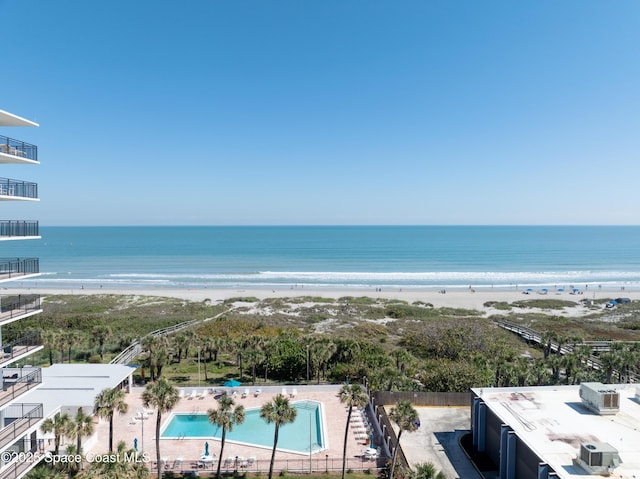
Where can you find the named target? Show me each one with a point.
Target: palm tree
(60, 425)
(117, 469)
(107, 403)
(100, 333)
(225, 417)
(353, 395)
(163, 396)
(406, 417)
(82, 426)
(280, 412)
(426, 470)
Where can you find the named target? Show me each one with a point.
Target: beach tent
(232, 383)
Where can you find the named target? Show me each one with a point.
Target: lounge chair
(294, 392)
(193, 394)
(228, 462)
(181, 393)
(245, 393)
(284, 392)
(201, 394)
(257, 392)
(177, 464)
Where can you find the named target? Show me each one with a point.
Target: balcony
(17, 381)
(18, 419)
(16, 151)
(14, 307)
(18, 344)
(18, 190)
(19, 229)
(21, 457)
(12, 268)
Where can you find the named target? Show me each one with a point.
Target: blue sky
(326, 112)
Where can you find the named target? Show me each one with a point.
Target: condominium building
(18, 419)
(569, 432)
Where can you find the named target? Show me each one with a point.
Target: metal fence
(317, 464)
(18, 148)
(9, 229)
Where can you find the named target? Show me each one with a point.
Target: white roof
(553, 422)
(9, 119)
(76, 385)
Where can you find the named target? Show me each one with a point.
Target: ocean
(326, 257)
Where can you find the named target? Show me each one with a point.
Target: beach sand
(465, 298)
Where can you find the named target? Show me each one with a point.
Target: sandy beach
(466, 298)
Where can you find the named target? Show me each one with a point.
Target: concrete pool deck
(128, 429)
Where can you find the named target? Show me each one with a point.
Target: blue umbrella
(135, 444)
(232, 383)
(206, 448)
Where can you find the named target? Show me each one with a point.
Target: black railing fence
(21, 456)
(12, 306)
(19, 266)
(18, 148)
(18, 188)
(318, 464)
(10, 229)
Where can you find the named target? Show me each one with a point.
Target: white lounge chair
(193, 394)
(257, 392)
(201, 394)
(294, 392)
(284, 392)
(245, 393)
(180, 393)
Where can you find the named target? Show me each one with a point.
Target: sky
(283, 112)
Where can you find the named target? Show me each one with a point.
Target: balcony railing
(10, 229)
(18, 188)
(18, 148)
(17, 343)
(16, 306)
(17, 381)
(20, 457)
(18, 418)
(15, 267)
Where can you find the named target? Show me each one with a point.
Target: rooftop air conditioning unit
(600, 398)
(598, 458)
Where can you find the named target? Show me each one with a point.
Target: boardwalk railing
(135, 348)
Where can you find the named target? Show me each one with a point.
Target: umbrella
(135, 444)
(206, 448)
(560, 289)
(232, 383)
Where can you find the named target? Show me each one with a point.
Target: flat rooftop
(76, 385)
(553, 422)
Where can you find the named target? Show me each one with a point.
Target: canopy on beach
(232, 383)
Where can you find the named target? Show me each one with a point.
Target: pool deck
(126, 428)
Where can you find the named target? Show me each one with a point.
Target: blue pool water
(295, 437)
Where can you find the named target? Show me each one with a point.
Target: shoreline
(464, 298)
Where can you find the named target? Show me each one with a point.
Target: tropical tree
(226, 416)
(279, 412)
(426, 470)
(353, 395)
(100, 333)
(60, 425)
(49, 339)
(82, 426)
(107, 403)
(105, 469)
(406, 418)
(162, 396)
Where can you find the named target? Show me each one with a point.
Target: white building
(559, 431)
(19, 420)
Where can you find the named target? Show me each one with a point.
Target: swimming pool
(296, 437)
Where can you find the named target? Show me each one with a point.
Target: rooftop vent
(600, 398)
(598, 458)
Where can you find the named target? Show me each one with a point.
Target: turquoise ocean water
(333, 257)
